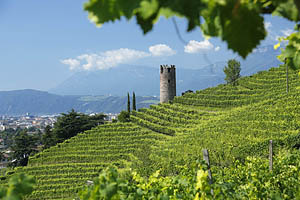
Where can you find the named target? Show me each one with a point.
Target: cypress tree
(133, 102)
(128, 102)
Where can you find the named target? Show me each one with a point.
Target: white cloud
(287, 32)
(161, 50)
(105, 60)
(217, 48)
(113, 58)
(260, 50)
(268, 25)
(73, 63)
(195, 46)
(283, 33)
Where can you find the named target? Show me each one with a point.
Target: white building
(2, 127)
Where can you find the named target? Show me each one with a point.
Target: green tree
(72, 123)
(124, 116)
(48, 138)
(7, 136)
(232, 71)
(239, 23)
(2, 157)
(133, 102)
(24, 146)
(128, 102)
(32, 129)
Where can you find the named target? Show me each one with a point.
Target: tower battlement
(167, 83)
(165, 67)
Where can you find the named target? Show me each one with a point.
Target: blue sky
(43, 43)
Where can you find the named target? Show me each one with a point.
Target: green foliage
(232, 71)
(127, 184)
(288, 9)
(72, 123)
(133, 102)
(261, 111)
(152, 123)
(108, 186)
(128, 103)
(239, 23)
(232, 122)
(24, 146)
(253, 180)
(9, 134)
(291, 54)
(124, 116)
(63, 169)
(249, 180)
(48, 138)
(18, 186)
(2, 157)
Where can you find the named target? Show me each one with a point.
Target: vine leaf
(243, 28)
(101, 11)
(237, 22)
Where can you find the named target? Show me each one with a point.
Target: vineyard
(232, 122)
(61, 171)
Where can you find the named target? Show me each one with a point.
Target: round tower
(167, 83)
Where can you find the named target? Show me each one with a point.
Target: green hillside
(231, 122)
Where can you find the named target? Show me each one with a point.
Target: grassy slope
(62, 170)
(245, 119)
(229, 121)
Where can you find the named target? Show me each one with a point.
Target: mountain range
(105, 90)
(20, 102)
(144, 80)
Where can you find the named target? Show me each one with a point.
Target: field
(232, 122)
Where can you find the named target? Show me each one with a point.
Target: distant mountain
(145, 80)
(261, 59)
(110, 87)
(114, 81)
(35, 102)
(140, 79)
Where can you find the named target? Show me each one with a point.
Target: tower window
(169, 81)
(169, 70)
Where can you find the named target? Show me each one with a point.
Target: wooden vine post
(206, 158)
(287, 78)
(271, 155)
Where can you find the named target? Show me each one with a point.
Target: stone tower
(167, 83)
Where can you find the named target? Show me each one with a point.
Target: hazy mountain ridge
(20, 102)
(144, 80)
(113, 84)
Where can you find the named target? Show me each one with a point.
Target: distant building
(167, 83)
(2, 127)
(111, 116)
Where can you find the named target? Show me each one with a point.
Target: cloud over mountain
(104, 60)
(161, 50)
(73, 63)
(195, 47)
(113, 58)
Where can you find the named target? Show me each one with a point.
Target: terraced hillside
(62, 170)
(232, 122)
(240, 123)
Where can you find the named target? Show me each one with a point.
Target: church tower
(167, 83)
